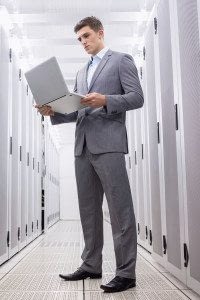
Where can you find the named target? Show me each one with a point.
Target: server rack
(5, 141)
(21, 151)
(170, 76)
(146, 159)
(169, 139)
(188, 78)
(153, 141)
(15, 156)
(24, 162)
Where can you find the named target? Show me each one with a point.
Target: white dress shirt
(94, 62)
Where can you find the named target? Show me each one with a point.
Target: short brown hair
(92, 22)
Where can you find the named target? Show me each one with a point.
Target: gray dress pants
(97, 174)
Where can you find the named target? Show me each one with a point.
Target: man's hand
(94, 100)
(45, 110)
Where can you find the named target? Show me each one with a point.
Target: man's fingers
(45, 110)
(86, 100)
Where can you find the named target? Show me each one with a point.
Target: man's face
(92, 41)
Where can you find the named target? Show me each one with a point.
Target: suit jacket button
(113, 112)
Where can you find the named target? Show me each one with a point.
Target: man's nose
(83, 41)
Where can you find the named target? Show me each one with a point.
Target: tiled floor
(33, 274)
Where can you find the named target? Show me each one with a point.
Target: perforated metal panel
(146, 154)
(24, 173)
(38, 282)
(140, 187)
(169, 136)
(31, 169)
(145, 281)
(139, 295)
(153, 142)
(36, 142)
(39, 170)
(36, 275)
(15, 153)
(41, 295)
(190, 79)
(132, 149)
(4, 138)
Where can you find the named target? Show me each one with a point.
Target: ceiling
(45, 28)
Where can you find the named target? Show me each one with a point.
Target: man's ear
(101, 34)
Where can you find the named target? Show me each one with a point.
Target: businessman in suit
(111, 87)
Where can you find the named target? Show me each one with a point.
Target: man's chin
(89, 51)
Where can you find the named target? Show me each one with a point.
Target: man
(111, 85)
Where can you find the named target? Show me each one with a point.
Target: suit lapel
(99, 68)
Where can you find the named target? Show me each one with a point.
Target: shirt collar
(100, 54)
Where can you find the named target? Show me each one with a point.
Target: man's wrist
(105, 102)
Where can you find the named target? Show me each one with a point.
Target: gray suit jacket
(104, 128)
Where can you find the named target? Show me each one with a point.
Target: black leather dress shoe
(118, 284)
(79, 275)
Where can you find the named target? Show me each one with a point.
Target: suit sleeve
(133, 95)
(59, 118)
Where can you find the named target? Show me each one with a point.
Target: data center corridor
(33, 273)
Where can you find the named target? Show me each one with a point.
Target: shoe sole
(91, 277)
(109, 290)
(95, 277)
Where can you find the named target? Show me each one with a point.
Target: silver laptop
(48, 87)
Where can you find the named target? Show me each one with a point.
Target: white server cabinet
(45, 180)
(53, 175)
(31, 212)
(55, 193)
(51, 185)
(145, 161)
(172, 125)
(56, 216)
(47, 191)
(139, 178)
(136, 172)
(36, 172)
(133, 163)
(50, 202)
(35, 194)
(42, 170)
(39, 172)
(169, 151)
(5, 140)
(48, 182)
(54, 196)
(128, 155)
(15, 157)
(24, 162)
(186, 55)
(153, 141)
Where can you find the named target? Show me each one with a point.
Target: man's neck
(101, 48)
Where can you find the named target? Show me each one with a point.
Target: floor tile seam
(36, 291)
(142, 290)
(84, 290)
(26, 255)
(162, 274)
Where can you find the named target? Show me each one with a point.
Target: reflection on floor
(33, 273)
